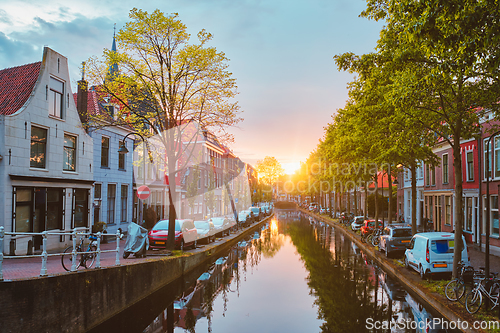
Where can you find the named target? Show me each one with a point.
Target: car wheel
(195, 244)
(407, 264)
(182, 245)
(422, 273)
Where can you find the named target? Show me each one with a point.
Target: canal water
(294, 275)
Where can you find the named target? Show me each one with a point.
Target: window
(487, 160)
(38, 147)
(497, 157)
(468, 213)
(105, 152)
(56, 98)
(81, 207)
(121, 158)
(111, 203)
(124, 199)
(433, 175)
(427, 174)
(470, 166)
(69, 153)
(494, 215)
(447, 203)
(444, 166)
(97, 191)
(23, 210)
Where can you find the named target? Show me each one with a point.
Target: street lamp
(488, 208)
(123, 150)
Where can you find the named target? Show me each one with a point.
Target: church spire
(113, 68)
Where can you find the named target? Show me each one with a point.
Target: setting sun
(290, 168)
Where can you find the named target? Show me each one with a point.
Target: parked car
(313, 207)
(222, 226)
(369, 226)
(395, 239)
(185, 234)
(430, 253)
(257, 213)
(358, 222)
(245, 217)
(206, 231)
(322, 210)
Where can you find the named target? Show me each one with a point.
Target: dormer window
(56, 98)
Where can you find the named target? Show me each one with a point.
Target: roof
(16, 85)
(93, 106)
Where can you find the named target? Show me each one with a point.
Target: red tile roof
(16, 85)
(93, 107)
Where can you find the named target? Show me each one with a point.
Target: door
(39, 216)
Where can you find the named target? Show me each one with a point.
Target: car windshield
(402, 233)
(201, 224)
(163, 225)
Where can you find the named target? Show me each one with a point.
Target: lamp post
(488, 208)
(123, 150)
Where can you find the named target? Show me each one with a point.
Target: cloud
(15, 52)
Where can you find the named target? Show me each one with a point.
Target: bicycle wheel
(494, 294)
(369, 238)
(454, 290)
(67, 259)
(89, 258)
(473, 301)
(375, 240)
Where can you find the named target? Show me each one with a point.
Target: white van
(432, 252)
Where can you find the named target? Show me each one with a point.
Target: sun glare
(290, 168)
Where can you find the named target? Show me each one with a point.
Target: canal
(294, 275)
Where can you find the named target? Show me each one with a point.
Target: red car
(369, 226)
(185, 234)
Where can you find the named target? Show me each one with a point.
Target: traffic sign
(143, 192)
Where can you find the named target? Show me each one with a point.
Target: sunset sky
(281, 54)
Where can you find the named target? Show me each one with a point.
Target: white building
(46, 158)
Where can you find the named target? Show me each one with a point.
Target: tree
(269, 170)
(165, 83)
(447, 65)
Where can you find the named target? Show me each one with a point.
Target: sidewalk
(477, 258)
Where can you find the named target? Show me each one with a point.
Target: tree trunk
(413, 170)
(376, 200)
(458, 211)
(389, 181)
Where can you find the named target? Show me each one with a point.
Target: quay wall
(79, 301)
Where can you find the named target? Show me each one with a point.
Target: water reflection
(296, 274)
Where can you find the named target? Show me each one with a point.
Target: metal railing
(44, 255)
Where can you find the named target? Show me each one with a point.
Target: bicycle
(375, 239)
(474, 298)
(85, 260)
(456, 288)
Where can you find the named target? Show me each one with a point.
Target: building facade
(46, 169)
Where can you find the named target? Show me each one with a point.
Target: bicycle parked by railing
(489, 288)
(457, 288)
(83, 259)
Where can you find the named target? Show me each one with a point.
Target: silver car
(358, 222)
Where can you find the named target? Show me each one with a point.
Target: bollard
(43, 271)
(2, 234)
(73, 253)
(98, 254)
(117, 262)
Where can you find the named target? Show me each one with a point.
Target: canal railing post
(43, 271)
(2, 234)
(98, 254)
(117, 262)
(73, 253)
